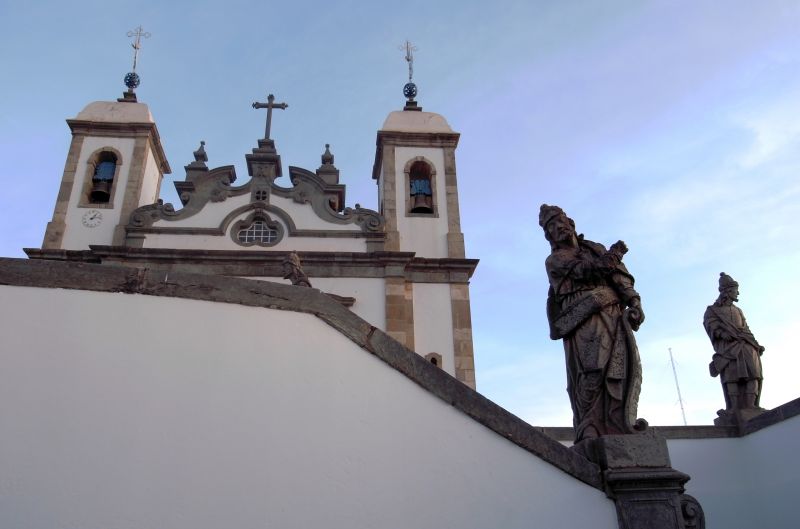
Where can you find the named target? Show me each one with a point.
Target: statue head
(558, 228)
(728, 287)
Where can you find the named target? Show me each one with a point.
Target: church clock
(92, 218)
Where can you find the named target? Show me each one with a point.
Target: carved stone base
(736, 416)
(638, 475)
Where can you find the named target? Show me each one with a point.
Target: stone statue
(592, 306)
(736, 354)
(293, 270)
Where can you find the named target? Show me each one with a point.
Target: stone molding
(768, 418)
(399, 302)
(54, 233)
(389, 199)
(463, 353)
(124, 130)
(203, 186)
(141, 223)
(133, 186)
(455, 239)
(310, 188)
(257, 263)
(105, 278)
(410, 139)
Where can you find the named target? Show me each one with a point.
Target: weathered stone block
(645, 450)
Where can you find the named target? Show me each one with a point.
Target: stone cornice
(105, 278)
(123, 130)
(257, 263)
(410, 139)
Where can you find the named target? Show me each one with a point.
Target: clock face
(92, 218)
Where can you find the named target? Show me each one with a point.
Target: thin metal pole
(675, 374)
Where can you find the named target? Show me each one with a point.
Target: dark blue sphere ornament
(410, 90)
(132, 80)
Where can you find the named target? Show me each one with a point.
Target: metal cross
(409, 48)
(138, 33)
(269, 105)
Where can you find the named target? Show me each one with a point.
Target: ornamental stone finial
(327, 157)
(200, 154)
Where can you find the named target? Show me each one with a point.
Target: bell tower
(115, 164)
(415, 169)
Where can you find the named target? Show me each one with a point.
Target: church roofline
(105, 278)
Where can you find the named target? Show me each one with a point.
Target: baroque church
(210, 387)
(389, 265)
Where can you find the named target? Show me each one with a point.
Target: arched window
(257, 230)
(421, 190)
(103, 178)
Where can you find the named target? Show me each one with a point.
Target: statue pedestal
(648, 492)
(737, 417)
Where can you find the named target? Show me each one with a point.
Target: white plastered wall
(746, 482)
(135, 411)
(427, 236)
(76, 235)
(433, 322)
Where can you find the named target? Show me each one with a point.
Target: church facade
(402, 268)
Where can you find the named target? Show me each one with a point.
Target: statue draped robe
(586, 308)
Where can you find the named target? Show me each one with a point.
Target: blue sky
(673, 126)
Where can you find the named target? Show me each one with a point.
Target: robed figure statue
(737, 354)
(593, 307)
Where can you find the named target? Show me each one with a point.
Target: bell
(421, 204)
(101, 191)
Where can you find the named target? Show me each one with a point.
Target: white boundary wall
(127, 411)
(752, 481)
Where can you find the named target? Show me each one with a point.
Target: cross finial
(409, 49)
(132, 78)
(269, 105)
(410, 89)
(137, 44)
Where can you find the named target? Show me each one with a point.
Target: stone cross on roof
(269, 105)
